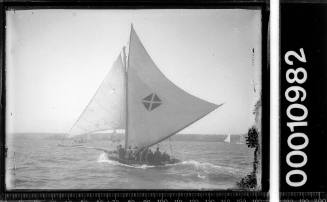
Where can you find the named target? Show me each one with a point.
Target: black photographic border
(137, 195)
(303, 24)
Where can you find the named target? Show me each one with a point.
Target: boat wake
(205, 170)
(190, 167)
(104, 159)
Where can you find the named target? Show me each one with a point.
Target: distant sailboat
(227, 139)
(137, 98)
(241, 140)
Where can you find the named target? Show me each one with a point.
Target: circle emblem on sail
(151, 102)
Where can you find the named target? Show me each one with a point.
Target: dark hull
(113, 156)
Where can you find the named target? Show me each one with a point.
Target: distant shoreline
(177, 137)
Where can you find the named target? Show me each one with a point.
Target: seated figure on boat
(148, 155)
(157, 156)
(136, 154)
(142, 156)
(165, 157)
(121, 151)
(129, 155)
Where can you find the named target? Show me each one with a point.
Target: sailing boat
(137, 98)
(241, 140)
(227, 139)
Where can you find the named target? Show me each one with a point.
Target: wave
(200, 168)
(206, 166)
(208, 171)
(103, 158)
(198, 164)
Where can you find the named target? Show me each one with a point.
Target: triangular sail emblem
(151, 102)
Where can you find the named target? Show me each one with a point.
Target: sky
(56, 59)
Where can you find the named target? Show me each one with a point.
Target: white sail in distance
(156, 108)
(107, 109)
(227, 139)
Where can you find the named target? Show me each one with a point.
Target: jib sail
(106, 110)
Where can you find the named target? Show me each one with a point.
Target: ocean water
(35, 161)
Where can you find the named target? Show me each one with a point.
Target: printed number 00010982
(294, 95)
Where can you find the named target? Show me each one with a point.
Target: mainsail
(106, 110)
(141, 100)
(156, 108)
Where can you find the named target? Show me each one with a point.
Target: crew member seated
(165, 157)
(121, 151)
(136, 154)
(149, 156)
(144, 157)
(129, 153)
(157, 156)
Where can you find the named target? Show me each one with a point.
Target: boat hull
(113, 156)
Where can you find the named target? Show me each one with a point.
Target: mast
(126, 82)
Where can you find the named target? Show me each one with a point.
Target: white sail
(227, 139)
(106, 110)
(156, 108)
(241, 140)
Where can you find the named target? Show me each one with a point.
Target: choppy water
(41, 164)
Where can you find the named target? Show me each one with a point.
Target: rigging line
(171, 148)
